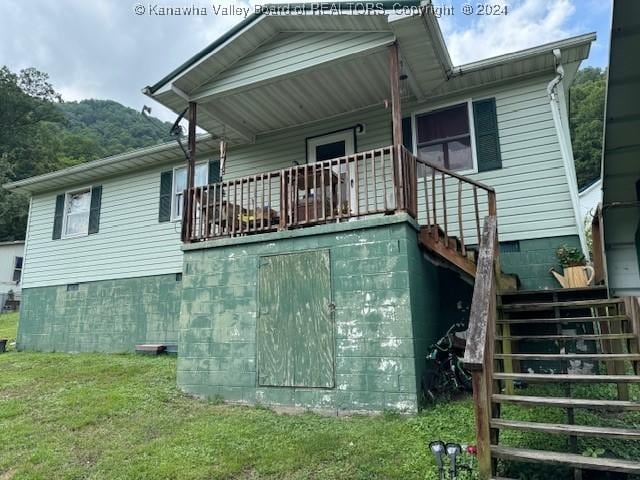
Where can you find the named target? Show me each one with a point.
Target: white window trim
(472, 129)
(175, 218)
(63, 234)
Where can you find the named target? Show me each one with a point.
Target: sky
(111, 49)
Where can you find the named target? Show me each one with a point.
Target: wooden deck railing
(378, 181)
(452, 203)
(478, 356)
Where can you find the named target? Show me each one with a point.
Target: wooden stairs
(452, 249)
(554, 349)
(556, 373)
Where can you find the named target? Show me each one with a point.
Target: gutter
(556, 100)
(101, 162)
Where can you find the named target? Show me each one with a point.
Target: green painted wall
(380, 332)
(534, 260)
(103, 316)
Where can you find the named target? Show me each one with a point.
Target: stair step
(514, 307)
(569, 356)
(560, 320)
(596, 337)
(566, 378)
(563, 429)
(594, 289)
(608, 405)
(567, 459)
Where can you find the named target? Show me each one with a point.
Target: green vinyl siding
(295, 330)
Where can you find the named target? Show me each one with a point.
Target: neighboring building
(311, 273)
(11, 260)
(620, 165)
(590, 197)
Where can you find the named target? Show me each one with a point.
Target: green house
(324, 230)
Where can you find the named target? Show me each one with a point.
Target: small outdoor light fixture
(438, 449)
(453, 450)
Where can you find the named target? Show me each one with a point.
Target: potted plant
(576, 273)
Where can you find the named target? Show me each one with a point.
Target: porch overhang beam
(247, 134)
(212, 91)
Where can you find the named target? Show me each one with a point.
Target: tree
(39, 133)
(587, 122)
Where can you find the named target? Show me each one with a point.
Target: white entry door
(336, 145)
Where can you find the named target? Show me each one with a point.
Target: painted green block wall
(371, 272)
(105, 316)
(535, 258)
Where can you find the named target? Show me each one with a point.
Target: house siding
(8, 254)
(294, 52)
(104, 316)
(377, 359)
(532, 192)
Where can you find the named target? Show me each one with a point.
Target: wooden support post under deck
(191, 169)
(396, 122)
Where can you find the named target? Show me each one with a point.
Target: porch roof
(98, 170)
(272, 72)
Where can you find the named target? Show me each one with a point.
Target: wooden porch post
(191, 170)
(396, 122)
(394, 81)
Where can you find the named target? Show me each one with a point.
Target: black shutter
(214, 171)
(57, 218)
(407, 133)
(166, 193)
(487, 139)
(94, 212)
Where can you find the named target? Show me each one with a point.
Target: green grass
(8, 328)
(95, 416)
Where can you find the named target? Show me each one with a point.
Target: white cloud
(528, 23)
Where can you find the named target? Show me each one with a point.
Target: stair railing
(478, 355)
(451, 204)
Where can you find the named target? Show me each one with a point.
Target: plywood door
(295, 324)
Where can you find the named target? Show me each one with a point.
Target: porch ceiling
(293, 70)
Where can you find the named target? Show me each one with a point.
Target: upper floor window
(180, 184)
(17, 269)
(76, 213)
(444, 138)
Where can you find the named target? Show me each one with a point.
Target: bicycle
(445, 371)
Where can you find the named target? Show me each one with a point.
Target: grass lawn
(94, 416)
(8, 328)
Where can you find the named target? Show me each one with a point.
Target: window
(180, 184)
(17, 269)
(76, 213)
(444, 138)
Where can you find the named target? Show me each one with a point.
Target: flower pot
(575, 277)
(3, 345)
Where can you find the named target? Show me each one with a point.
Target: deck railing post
(478, 356)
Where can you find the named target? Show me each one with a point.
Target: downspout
(556, 96)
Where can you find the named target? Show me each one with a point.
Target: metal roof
(110, 166)
(305, 93)
(12, 243)
(239, 103)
